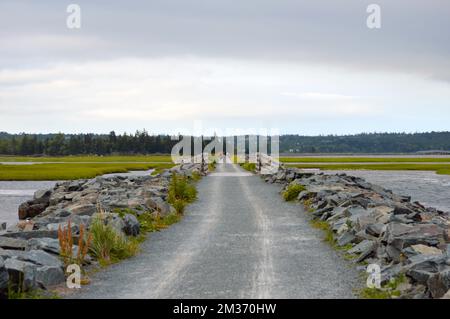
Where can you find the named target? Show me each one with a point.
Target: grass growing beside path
(251, 167)
(66, 171)
(443, 169)
(93, 159)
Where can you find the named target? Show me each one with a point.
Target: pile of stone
(29, 250)
(379, 227)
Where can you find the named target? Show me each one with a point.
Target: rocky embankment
(375, 226)
(29, 251)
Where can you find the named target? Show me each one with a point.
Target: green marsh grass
(67, 171)
(92, 159)
(443, 169)
(363, 159)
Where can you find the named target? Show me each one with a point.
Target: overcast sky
(307, 67)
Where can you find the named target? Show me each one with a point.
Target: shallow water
(428, 188)
(12, 194)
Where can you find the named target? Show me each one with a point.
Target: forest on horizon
(142, 142)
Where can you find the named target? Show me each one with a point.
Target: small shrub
(249, 166)
(108, 245)
(196, 176)
(161, 223)
(181, 192)
(65, 243)
(212, 166)
(292, 191)
(146, 222)
(387, 291)
(179, 205)
(84, 242)
(323, 225)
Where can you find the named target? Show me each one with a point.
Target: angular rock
(158, 204)
(4, 279)
(393, 252)
(447, 295)
(346, 238)
(56, 198)
(37, 257)
(75, 186)
(439, 283)
(49, 245)
(116, 222)
(49, 275)
(390, 272)
(362, 247)
(304, 195)
(22, 275)
(426, 250)
(30, 209)
(42, 196)
(82, 209)
(31, 234)
(338, 213)
(406, 235)
(375, 229)
(402, 210)
(369, 251)
(12, 243)
(132, 226)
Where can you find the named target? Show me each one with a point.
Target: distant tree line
(144, 143)
(84, 144)
(366, 143)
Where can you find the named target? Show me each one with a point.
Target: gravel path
(239, 240)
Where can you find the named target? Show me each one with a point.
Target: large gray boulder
(37, 257)
(12, 243)
(159, 205)
(132, 226)
(82, 209)
(115, 222)
(22, 274)
(32, 234)
(4, 279)
(404, 235)
(49, 245)
(42, 196)
(31, 209)
(439, 283)
(49, 276)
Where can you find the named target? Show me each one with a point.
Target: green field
(66, 171)
(443, 169)
(93, 159)
(362, 159)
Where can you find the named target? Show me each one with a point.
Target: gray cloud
(414, 37)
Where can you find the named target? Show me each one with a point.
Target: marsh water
(427, 187)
